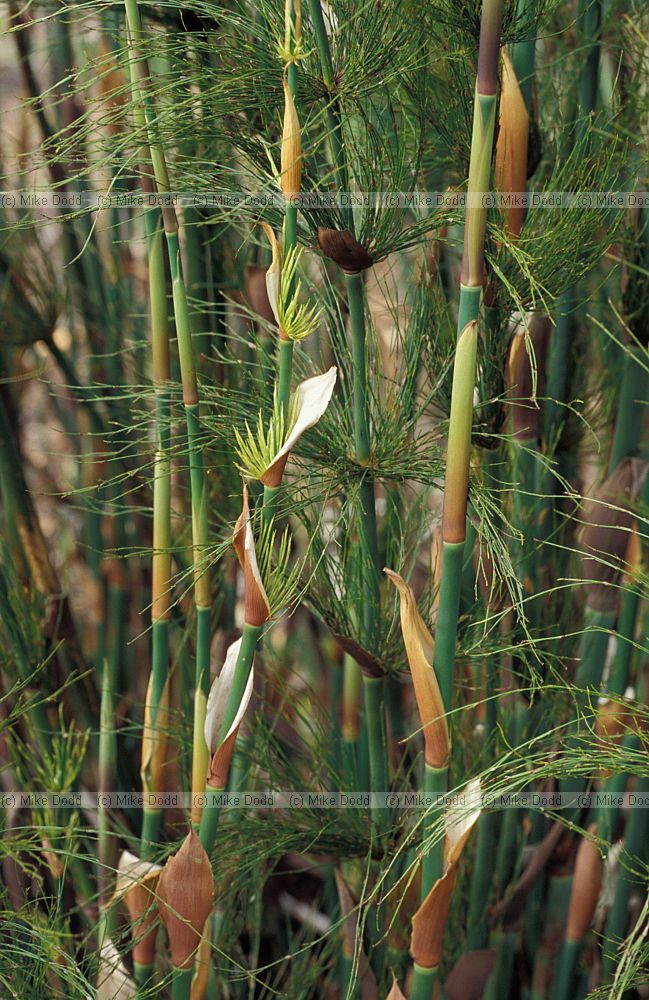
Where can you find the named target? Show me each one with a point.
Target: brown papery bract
(526, 377)
(185, 899)
(511, 146)
(395, 993)
(291, 153)
(420, 650)
(137, 881)
(221, 745)
(429, 922)
(586, 885)
(341, 246)
(257, 608)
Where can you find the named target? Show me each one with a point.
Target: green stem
(184, 338)
(150, 834)
(566, 975)
(635, 851)
(589, 22)
(620, 668)
(285, 373)
(432, 865)
(557, 903)
(598, 626)
(482, 880)
(200, 755)
(354, 283)
(374, 691)
(562, 342)
(142, 973)
(523, 54)
(469, 305)
(630, 407)
(447, 615)
(464, 374)
(374, 688)
(161, 558)
(615, 786)
(332, 109)
(504, 944)
(107, 758)
(285, 347)
(423, 982)
(352, 687)
(181, 984)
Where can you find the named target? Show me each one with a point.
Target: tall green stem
(190, 400)
(630, 407)
(464, 375)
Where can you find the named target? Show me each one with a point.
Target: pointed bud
(586, 885)
(395, 993)
(185, 899)
(291, 154)
(341, 246)
(526, 377)
(420, 650)
(311, 400)
(221, 746)
(136, 884)
(605, 536)
(257, 607)
(511, 147)
(429, 922)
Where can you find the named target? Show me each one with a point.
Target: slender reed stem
(107, 757)
(191, 404)
(161, 556)
(631, 403)
(351, 704)
(374, 687)
(464, 374)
